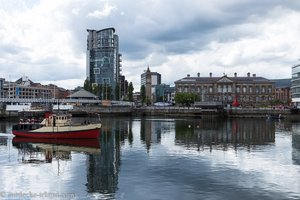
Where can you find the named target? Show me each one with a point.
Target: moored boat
(58, 126)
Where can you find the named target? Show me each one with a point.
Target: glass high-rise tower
(103, 59)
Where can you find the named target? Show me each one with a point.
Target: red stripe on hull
(87, 134)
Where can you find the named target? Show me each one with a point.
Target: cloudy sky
(46, 39)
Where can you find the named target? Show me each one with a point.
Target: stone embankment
(173, 111)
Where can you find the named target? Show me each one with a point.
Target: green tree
(130, 91)
(143, 94)
(97, 89)
(185, 98)
(87, 85)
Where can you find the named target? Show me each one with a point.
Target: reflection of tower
(146, 129)
(151, 132)
(296, 148)
(102, 172)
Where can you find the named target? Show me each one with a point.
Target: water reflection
(36, 150)
(212, 134)
(152, 129)
(103, 169)
(134, 157)
(296, 144)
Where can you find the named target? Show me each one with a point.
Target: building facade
(103, 61)
(150, 80)
(282, 91)
(295, 85)
(164, 93)
(250, 91)
(25, 88)
(1, 87)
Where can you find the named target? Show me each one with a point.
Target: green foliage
(143, 94)
(130, 91)
(185, 98)
(87, 85)
(97, 89)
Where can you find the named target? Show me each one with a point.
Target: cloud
(106, 11)
(46, 39)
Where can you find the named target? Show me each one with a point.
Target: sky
(46, 39)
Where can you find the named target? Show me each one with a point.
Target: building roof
(247, 79)
(83, 94)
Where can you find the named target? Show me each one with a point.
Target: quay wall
(257, 112)
(172, 111)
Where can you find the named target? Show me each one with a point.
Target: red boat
(57, 126)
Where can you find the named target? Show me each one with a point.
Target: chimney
(235, 74)
(210, 74)
(188, 75)
(248, 74)
(254, 75)
(198, 74)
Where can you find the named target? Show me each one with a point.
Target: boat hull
(71, 132)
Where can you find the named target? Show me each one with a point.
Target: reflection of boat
(57, 126)
(275, 116)
(78, 145)
(41, 150)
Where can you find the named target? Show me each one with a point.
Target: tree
(130, 91)
(87, 85)
(143, 94)
(185, 98)
(97, 90)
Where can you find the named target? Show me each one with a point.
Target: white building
(295, 88)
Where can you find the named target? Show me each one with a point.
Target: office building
(295, 88)
(164, 93)
(103, 59)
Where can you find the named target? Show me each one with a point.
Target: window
(270, 90)
(257, 89)
(106, 81)
(96, 70)
(219, 88)
(229, 88)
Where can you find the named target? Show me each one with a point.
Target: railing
(61, 101)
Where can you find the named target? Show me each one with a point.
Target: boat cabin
(57, 120)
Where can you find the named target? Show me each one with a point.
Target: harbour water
(157, 158)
